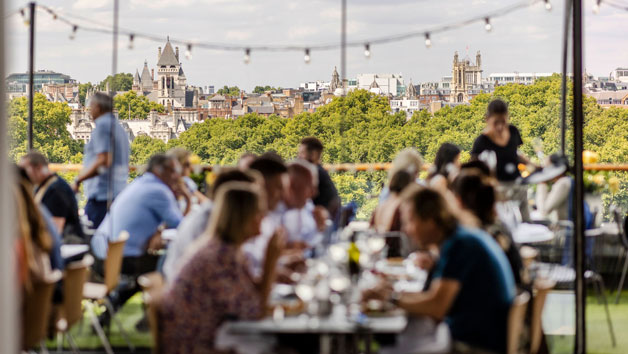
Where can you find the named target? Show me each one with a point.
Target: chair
(71, 310)
(152, 285)
(622, 224)
(516, 318)
(541, 288)
(97, 293)
(37, 309)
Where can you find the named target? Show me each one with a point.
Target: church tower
(171, 82)
(464, 77)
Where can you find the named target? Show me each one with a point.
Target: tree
(50, 133)
(262, 89)
(83, 91)
(229, 91)
(139, 106)
(143, 147)
(120, 82)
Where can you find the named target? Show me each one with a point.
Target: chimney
(152, 74)
(177, 53)
(158, 53)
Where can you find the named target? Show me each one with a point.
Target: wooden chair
(152, 285)
(71, 311)
(97, 292)
(541, 288)
(37, 309)
(516, 318)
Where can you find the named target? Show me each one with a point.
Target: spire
(374, 84)
(168, 56)
(411, 91)
(136, 78)
(335, 81)
(146, 78)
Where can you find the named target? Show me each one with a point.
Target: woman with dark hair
(446, 162)
(386, 216)
(503, 140)
(476, 196)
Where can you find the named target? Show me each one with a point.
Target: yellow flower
(525, 174)
(589, 156)
(194, 159)
(599, 179)
(521, 167)
(209, 178)
(613, 184)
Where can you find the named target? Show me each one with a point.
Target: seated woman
(472, 289)
(475, 194)
(446, 164)
(386, 218)
(214, 285)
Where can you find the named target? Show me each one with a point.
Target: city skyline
(528, 40)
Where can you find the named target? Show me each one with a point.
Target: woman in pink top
(214, 285)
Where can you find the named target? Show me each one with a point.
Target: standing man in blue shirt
(101, 158)
(141, 209)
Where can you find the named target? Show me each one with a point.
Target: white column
(9, 326)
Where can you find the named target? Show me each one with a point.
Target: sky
(528, 40)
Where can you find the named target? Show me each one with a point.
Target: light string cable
(97, 27)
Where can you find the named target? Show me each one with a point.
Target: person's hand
(423, 260)
(382, 291)
(293, 262)
(75, 186)
(320, 215)
(155, 243)
(276, 244)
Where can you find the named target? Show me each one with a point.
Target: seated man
(472, 287)
(56, 195)
(195, 223)
(303, 221)
(141, 209)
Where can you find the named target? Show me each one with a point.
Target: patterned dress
(212, 287)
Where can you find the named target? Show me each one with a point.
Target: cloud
(90, 4)
(237, 35)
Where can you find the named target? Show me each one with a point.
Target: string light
(131, 37)
(188, 52)
(73, 34)
(548, 5)
(367, 50)
(307, 57)
(596, 7)
(247, 55)
(428, 41)
(487, 26)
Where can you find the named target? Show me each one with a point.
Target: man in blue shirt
(473, 286)
(141, 209)
(101, 158)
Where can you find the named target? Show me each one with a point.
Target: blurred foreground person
(101, 158)
(472, 287)
(408, 160)
(195, 223)
(56, 195)
(245, 161)
(141, 209)
(445, 168)
(386, 216)
(188, 186)
(214, 285)
(311, 150)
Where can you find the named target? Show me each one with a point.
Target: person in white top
(556, 199)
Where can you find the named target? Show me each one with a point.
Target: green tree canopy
(120, 82)
(139, 106)
(83, 91)
(50, 133)
(262, 89)
(143, 147)
(229, 91)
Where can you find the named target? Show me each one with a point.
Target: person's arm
(556, 196)
(166, 207)
(59, 223)
(435, 302)
(273, 251)
(101, 142)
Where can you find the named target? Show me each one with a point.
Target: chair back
(37, 308)
(153, 286)
(516, 317)
(541, 288)
(621, 223)
(113, 262)
(74, 278)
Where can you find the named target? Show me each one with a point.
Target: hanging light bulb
(73, 34)
(307, 57)
(188, 52)
(54, 16)
(131, 37)
(596, 7)
(367, 50)
(247, 55)
(487, 25)
(548, 5)
(428, 41)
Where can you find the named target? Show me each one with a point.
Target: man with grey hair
(107, 152)
(141, 209)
